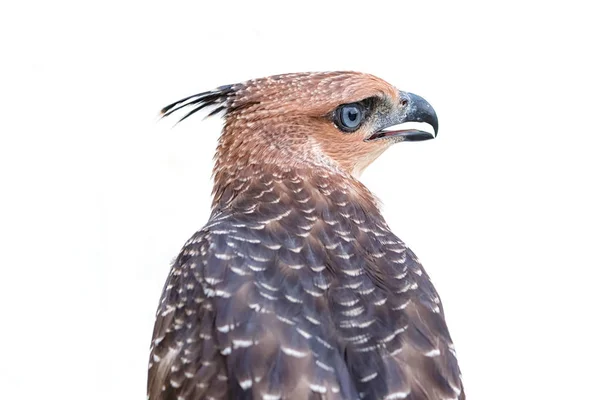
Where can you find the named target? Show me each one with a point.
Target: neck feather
(295, 185)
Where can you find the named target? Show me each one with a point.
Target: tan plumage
(296, 288)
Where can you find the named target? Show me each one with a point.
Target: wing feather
(280, 298)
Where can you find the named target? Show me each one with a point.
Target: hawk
(296, 288)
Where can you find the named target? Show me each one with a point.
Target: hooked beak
(415, 109)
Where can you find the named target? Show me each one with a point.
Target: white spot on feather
(240, 343)
(268, 396)
(433, 353)
(246, 384)
(318, 388)
(369, 377)
(397, 395)
(293, 352)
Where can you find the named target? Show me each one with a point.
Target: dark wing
(427, 356)
(185, 360)
(235, 320)
(387, 315)
(282, 298)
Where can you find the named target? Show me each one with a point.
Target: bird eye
(349, 116)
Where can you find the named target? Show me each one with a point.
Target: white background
(98, 195)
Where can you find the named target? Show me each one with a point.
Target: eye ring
(349, 117)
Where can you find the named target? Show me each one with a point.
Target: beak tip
(421, 111)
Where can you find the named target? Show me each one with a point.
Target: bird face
(343, 119)
(365, 119)
(364, 129)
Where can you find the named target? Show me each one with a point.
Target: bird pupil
(353, 114)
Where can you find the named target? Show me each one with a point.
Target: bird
(296, 288)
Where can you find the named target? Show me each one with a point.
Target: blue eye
(349, 116)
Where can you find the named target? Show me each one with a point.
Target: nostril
(403, 102)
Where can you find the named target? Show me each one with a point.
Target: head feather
(219, 97)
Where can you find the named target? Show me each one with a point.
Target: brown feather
(296, 288)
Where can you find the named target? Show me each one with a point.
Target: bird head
(343, 120)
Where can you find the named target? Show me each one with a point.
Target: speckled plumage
(296, 288)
